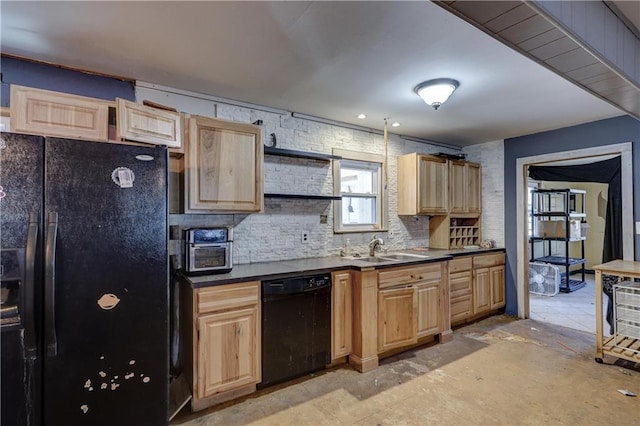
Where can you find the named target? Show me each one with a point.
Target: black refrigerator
(84, 272)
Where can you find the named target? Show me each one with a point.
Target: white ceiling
(327, 59)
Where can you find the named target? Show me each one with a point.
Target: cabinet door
(48, 113)
(151, 125)
(433, 193)
(474, 188)
(457, 187)
(227, 351)
(397, 325)
(497, 287)
(341, 321)
(428, 310)
(481, 290)
(224, 167)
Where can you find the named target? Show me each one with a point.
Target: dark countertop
(298, 267)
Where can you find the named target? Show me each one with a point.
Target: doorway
(522, 171)
(588, 206)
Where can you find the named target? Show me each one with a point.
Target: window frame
(531, 185)
(376, 161)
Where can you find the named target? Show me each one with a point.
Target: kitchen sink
(391, 257)
(403, 256)
(375, 259)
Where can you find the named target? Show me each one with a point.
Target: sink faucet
(374, 244)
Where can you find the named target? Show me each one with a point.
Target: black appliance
(87, 222)
(296, 327)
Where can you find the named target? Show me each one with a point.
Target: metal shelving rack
(560, 205)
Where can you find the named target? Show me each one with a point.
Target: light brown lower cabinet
(460, 284)
(476, 286)
(461, 288)
(481, 290)
(226, 351)
(226, 343)
(428, 309)
(489, 272)
(341, 314)
(410, 304)
(497, 286)
(397, 325)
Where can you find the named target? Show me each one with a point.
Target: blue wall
(598, 133)
(50, 77)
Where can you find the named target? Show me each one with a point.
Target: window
(531, 185)
(358, 180)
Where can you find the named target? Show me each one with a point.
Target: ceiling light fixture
(436, 92)
(362, 116)
(395, 124)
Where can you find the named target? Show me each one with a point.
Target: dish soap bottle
(347, 248)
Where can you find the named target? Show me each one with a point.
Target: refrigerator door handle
(51, 341)
(30, 344)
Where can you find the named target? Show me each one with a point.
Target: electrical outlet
(305, 237)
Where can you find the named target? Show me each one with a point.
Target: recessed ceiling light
(395, 124)
(362, 116)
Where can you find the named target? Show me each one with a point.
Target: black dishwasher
(296, 327)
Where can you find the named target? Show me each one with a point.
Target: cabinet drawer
(461, 308)
(488, 260)
(460, 264)
(459, 284)
(227, 297)
(401, 276)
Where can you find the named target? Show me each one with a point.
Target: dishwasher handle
(290, 286)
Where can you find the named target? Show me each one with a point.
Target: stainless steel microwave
(208, 250)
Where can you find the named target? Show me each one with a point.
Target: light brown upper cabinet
(464, 187)
(223, 167)
(142, 123)
(48, 113)
(423, 186)
(433, 185)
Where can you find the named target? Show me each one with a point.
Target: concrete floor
(497, 371)
(575, 310)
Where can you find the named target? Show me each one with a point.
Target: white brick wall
(491, 156)
(276, 233)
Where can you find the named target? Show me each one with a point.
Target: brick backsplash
(491, 156)
(276, 233)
